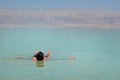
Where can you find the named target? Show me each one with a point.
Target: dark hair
(40, 56)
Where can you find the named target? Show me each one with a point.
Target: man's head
(40, 56)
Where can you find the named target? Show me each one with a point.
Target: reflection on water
(40, 63)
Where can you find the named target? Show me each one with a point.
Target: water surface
(97, 53)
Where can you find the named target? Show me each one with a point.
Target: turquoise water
(97, 53)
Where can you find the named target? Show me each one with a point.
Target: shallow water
(97, 53)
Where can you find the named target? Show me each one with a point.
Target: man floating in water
(39, 58)
(38, 55)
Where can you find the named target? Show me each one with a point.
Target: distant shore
(10, 18)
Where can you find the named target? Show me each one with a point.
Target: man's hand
(33, 58)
